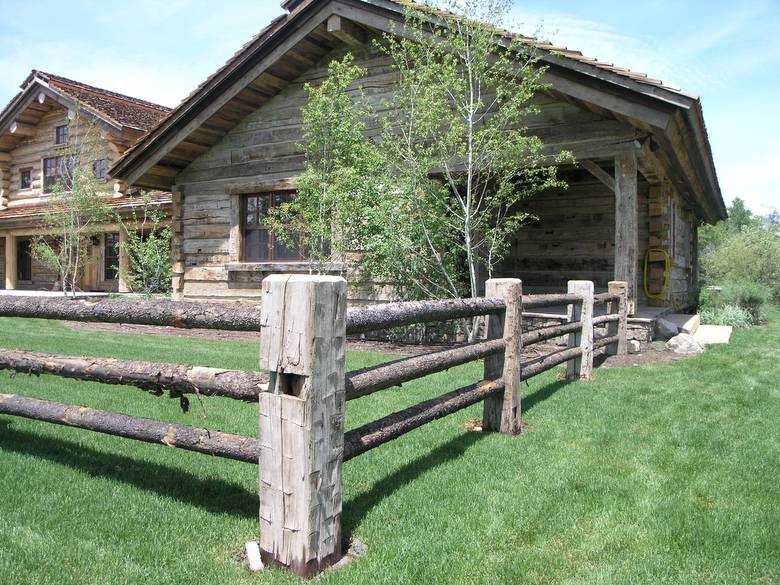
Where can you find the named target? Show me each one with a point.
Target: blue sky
(726, 52)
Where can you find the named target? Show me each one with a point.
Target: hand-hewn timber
(385, 316)
(155, 377)
(185, 437)
(373, 434)
(369, 380)
(163, 313)
(627, 224)
(501, 412)
(302, 421)
(582, 366)
(618, 328)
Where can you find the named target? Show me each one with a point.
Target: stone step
(712, 334)
(686, 323)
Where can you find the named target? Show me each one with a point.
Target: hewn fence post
(302, 421)
(581, 367)
(501, 412)
(619, 328)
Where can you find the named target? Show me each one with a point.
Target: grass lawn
(659, 474)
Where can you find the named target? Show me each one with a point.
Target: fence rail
(304, 322)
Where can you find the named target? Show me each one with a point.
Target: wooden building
(644, 179)
(54, 120)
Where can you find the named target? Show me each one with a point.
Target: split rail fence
(304, 323)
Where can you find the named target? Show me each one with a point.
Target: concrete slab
(712, 334)
(686, 323)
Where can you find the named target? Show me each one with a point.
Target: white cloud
(753, 180)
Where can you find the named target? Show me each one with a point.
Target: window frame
(113, 256)
(61, 131)
(244, 228)
(101, 162)
(22, 173)
(62, 172)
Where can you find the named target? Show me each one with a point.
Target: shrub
(751, 254)
(732, 315)
(754, 297)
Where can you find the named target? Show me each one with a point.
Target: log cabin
(52, 120)
(644, 178)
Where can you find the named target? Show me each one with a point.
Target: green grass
(660, 474)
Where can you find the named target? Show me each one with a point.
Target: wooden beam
(599, 173)
(22, 129)
(627, 224)
(346, 31)
(302, 421)
(10, 262)
(581, 367)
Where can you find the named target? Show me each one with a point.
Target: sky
(728, 53)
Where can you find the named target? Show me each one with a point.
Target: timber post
(581, 367)
(302, 421)
(620, 327)
(10, 262)
(124, 261)
(501, 412)
(627, 224)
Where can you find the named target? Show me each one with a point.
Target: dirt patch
(389, 348)
(654, 354)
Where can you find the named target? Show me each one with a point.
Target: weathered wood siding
(264, 147)
(573, 237)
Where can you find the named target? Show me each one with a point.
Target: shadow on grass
(542, 394)
(358, 508)
(214, 495)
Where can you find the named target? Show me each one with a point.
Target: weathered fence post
(302, 421)
(620, 327)
(502, 411)
(580, 368)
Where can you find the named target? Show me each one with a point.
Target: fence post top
(617, 284)
(505, 280)
(581, 284)
(302, 278)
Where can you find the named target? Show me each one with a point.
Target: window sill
(297, 267)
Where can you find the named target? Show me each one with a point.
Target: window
(259, 243)
(61, 135)
(111, 256)
(58, 170)
(23, 260)
(25, 181)
(100, 168)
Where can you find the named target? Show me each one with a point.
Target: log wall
(573, 237)
(264, 148)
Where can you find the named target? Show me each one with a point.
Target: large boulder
(665, 329)
(684, 344)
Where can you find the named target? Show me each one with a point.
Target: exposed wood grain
(581, 367)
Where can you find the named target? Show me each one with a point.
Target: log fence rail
(303, 323)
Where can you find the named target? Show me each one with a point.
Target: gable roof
(294, 41)
(120, 112)
(122, 109)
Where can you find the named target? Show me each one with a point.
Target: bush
(732, 315)
(754, 297)
(751, 254)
